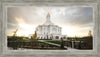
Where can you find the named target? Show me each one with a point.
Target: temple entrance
(57, 37)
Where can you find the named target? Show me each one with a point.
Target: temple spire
(48, 22)
(48, 16)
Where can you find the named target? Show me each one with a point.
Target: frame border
(3, 25)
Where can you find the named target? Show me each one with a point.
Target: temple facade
(48, 30)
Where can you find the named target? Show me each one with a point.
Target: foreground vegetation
(23, 42)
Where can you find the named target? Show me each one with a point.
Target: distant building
(49, 31)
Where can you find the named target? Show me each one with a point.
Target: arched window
(57, 37)
(50, 37)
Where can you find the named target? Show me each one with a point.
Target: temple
(49, 31)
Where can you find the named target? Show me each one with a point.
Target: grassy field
(53, 41)
(42, 42)
(24, 40)
(27, 40)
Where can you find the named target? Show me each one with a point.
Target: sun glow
(74, 31)
(25, 30)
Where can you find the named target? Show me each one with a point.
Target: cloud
(76, 16)
(62, 16)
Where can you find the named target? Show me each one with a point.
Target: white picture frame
(47, 53)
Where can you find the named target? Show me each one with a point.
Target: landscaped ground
(53, 41)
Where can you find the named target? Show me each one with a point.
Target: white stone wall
(49, 31)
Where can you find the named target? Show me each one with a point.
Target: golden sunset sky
(75, 21)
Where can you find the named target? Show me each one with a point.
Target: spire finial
(48, 15)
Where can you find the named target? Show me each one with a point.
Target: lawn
(53, 41)
(42, 42)
(28, 40)
(24, 40)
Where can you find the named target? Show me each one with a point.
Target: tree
(34, 39)
(90, 34)
(14, 44)
(62, 44)
(15, 32)
(80, 45)
(34, 36)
